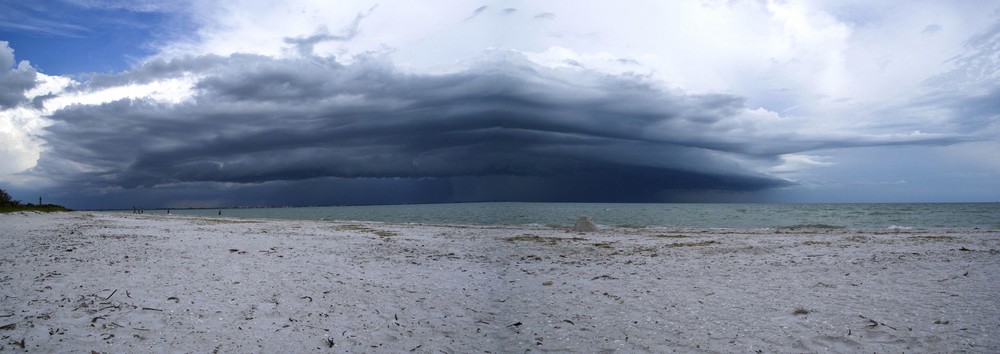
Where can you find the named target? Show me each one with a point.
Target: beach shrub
(8, 205)
(6, 200)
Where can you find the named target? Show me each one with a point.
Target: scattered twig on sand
(117, 307)
(954, 277)
(151, 309)
(9, 327)
(330, 343)
(174, 298)
(693, 244)
(307, 297)
(112, 294)
(518, 324)
(873, 323)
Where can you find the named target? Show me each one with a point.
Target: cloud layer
(255, 119)
(542, 101)
(15, 78)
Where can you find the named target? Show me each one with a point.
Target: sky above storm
(114, 104)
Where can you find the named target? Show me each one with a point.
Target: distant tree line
(8, 204)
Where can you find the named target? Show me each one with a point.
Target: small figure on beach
(220, 212)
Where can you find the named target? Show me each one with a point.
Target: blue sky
(110, 104)
(66, 39)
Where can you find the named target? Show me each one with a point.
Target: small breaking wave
(814, 226)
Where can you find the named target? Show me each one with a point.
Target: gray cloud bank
(312, 130)
(15, 78)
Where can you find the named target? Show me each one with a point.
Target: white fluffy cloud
(15, 78)
(19, 150)
(835, 63)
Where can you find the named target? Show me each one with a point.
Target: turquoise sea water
(851, 216)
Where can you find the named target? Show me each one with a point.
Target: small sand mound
(585, 224)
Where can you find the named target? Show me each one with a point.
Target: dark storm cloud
(502, 129)
(15, 78)
(257, 119)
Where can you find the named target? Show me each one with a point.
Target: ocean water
(752, 216)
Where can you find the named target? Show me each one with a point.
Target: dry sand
(143, 283)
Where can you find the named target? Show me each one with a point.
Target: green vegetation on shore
(9, 205)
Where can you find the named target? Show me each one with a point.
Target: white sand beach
(105, 282)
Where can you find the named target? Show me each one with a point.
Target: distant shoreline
(528, 202)
(714, 215)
